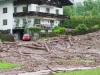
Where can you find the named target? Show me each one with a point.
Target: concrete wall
(8, 15)
(32, 7)
(20, 7)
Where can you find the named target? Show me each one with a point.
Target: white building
(14, 13)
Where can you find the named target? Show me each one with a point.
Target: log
(36, 44)
(9, 42)
(34, 47)
(47, 48)
(70, 41)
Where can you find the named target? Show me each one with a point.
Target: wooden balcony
(41, 14)
(57, 3)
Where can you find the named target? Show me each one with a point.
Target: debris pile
(44, 54)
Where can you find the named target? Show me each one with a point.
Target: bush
(95, 27)
(56, 28)
(0, 34)
(74, 21)
(37, 30)
(7, 38)
(81, 28)
(62, 30)
(73, 32)
(57, 32)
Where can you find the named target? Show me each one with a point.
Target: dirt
(55, 54)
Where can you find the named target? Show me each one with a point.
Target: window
(47, 10)
(4, 10)
(36, 21)
(5, 22)
(24, 20)
(15, 9)
(24, 9)
(51, 22)
(57, 11)
(37, 9)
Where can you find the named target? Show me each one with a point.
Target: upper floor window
(4, 10)
(37, 9)
(47, 10)
(57, 11)
(24, 9)
(15, 9)
(5, 22)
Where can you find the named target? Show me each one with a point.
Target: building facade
(18, 13)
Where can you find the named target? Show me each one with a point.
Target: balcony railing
(40, 14)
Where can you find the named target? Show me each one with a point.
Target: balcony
(41, 14)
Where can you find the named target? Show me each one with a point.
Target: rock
(43, 72)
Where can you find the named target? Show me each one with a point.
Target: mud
(62, 48)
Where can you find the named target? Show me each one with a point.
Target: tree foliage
(87, 8)
(87, 13)
(89, 21)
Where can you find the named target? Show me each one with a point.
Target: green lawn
(82, 72)
(4, 65)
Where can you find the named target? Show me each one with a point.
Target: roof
(7, 0)
(48, 2)
(54, 2)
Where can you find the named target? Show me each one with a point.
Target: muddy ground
(51, 53)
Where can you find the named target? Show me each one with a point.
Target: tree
(79, 8)
(69, 10)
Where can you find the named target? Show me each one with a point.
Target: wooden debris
(36, 44)
(34, 47)
(70, 41)
(47, 48)
(9, 42)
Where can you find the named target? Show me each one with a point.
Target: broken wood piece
(47, 48)
(9, 42)
(70, 41)
(35, 47)
(36, 44)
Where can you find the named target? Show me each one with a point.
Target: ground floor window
(5, 22)
(36, 21)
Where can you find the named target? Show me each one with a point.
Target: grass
(4, 65)
(82, 72)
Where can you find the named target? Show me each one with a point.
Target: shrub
(89, 21)
(62, 30)
(56, 28)
(0, 34)
(37, 30)
(73, 32)
(7, 37)
(56, 32)
(95, 27)
(81, 28)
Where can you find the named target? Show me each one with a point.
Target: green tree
(79, 8)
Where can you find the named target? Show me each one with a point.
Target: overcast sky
(78, 1)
